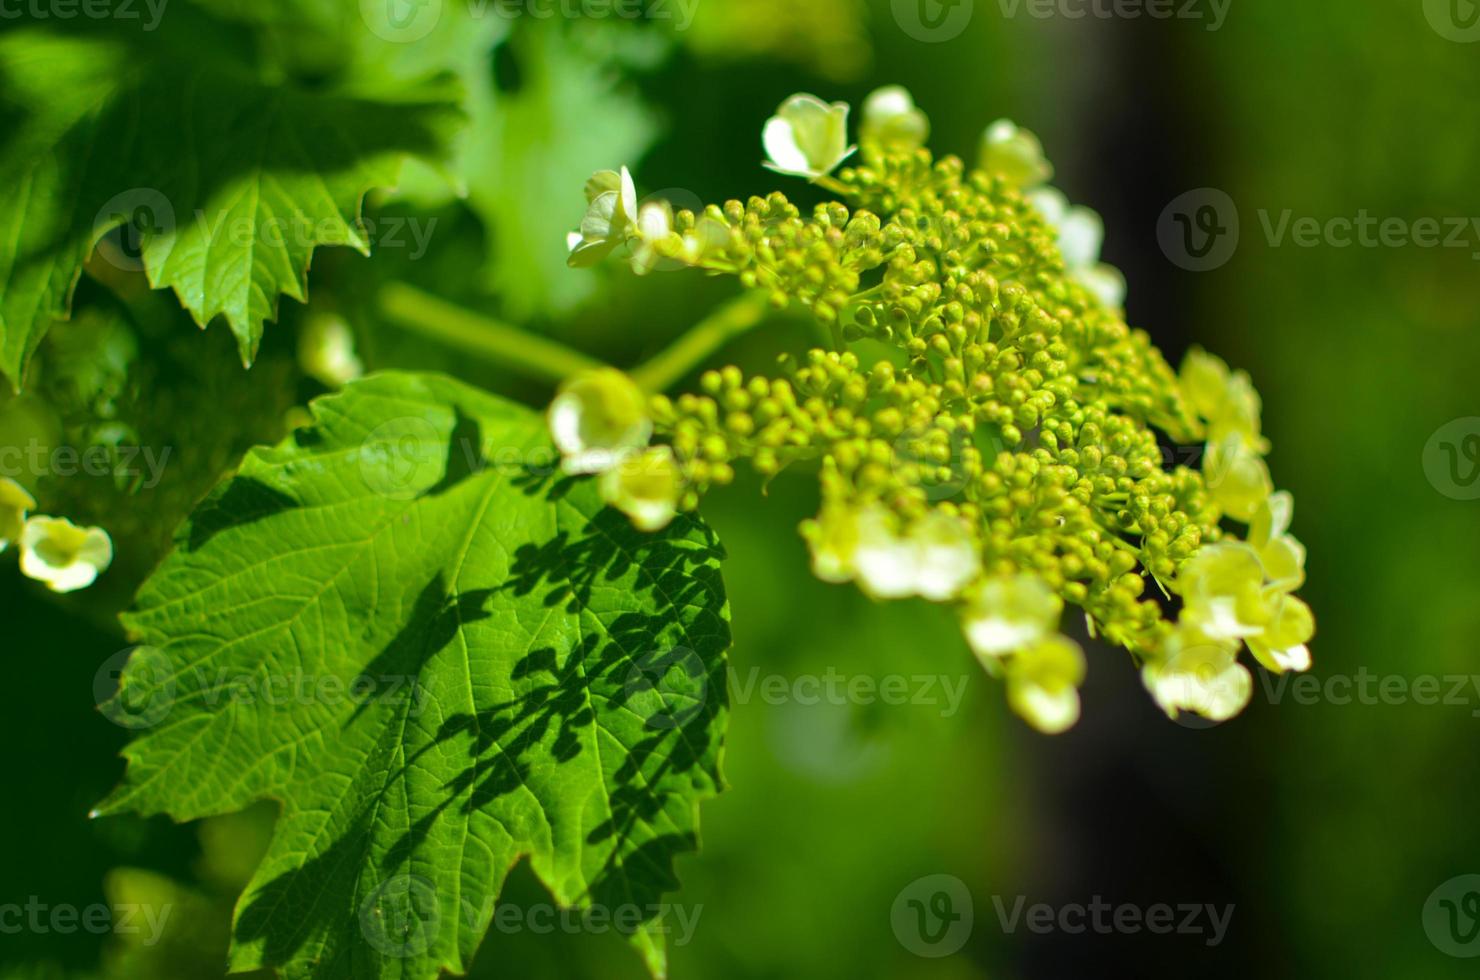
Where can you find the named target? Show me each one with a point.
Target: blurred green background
(1327, 825)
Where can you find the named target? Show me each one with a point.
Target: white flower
(1198, 674)
(1008, 614)
(1081, 234)
(611, 216)
(1222, 589)
(807, 137)
(1282, 555)
(1282, 644)
(654, 225)
(1015, 155)
(327, 351)
(936, 559)
(597, 418)
(63, 555)
(15, 502)
(646, 486)
(1043, 684)
(891, 120)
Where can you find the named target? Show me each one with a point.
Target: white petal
(781, 146)
(997, 636)
(565, 424)
(629, 195)
(1051, 712)
(1081, 235)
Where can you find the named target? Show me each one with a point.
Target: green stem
(702, 339)
(833, 184)
(498, 343)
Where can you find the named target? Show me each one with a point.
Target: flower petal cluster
(986, 431)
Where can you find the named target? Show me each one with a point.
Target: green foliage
(226, 183)
(497, 668)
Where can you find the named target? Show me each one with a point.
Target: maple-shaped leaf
(441, 656)
(223, 184)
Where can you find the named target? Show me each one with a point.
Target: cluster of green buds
(985, 425)
(53, 550)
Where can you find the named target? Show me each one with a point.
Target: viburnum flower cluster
(987, 431)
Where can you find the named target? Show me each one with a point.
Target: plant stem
(702, 339)
(498, 343)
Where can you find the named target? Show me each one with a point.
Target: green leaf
(527, 676)
(227, 183)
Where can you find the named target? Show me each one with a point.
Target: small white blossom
(1008, 614)
(646, 486)
(1043, 684)
(935, 560)
(597, 418)
(654, 225)
(890, 119)
(64, 556)
(610, 219)
(1199, 674)
(807, 137)
(1015, 155)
